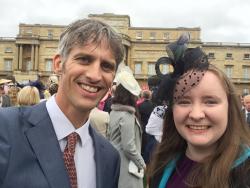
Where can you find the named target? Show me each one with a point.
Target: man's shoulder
(18, 114)
(103, 142)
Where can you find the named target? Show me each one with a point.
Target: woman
(124, 129)
(28, 96)
(205, 139)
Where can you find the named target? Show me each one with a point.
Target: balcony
(5, 73)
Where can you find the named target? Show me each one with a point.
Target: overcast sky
(219, 20)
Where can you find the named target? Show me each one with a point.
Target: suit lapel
(43, 140)
(99, 158)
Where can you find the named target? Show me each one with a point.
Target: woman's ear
(57, 64)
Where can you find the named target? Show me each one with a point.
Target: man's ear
(57, 64)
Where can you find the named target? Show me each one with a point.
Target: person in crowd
(39, 85)
(53, 88)
(4, 99)
(28, 96)
(154, 126)
(205, 142)
(124, 130)
(247, 108)
(108, 101)
(51, 144)
(99, 120)
(145, 108)
(140, 99)
(242, 100)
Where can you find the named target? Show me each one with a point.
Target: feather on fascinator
(189, 66)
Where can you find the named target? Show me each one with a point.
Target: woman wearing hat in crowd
(124, 129)
(4, 99)
(205, 140)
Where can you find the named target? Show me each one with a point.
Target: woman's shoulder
(240, 175)
(123, 108)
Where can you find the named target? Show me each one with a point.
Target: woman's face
(201, 115)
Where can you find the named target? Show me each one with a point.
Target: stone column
(32, 56)
(20, 57)
(36, 57)
(16, 58)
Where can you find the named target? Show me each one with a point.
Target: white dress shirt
(84, 152)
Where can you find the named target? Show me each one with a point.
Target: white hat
(4, 81)
(128, 81)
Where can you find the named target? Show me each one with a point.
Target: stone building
(30, 53)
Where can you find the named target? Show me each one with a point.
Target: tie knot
(71, 142)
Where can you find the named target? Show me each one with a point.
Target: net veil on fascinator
(189, 66)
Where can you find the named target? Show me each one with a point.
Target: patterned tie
(68, 156)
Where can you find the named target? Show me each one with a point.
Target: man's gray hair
(86, 31)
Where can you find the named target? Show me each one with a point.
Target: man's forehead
(247, 98)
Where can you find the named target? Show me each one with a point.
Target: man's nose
(94, 73)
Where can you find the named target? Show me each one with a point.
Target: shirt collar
(62, 126)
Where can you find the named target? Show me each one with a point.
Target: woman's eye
(211, 102)
(183, 102)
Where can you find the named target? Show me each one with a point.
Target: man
(37, 143)
(145, 109)
(247, 108)
(4, 99)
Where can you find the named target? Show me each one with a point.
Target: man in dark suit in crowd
(52, 145)
(145, 109)
(247, 108)
(4, 99)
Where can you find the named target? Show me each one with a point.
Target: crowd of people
(15, 94)
(84, 129)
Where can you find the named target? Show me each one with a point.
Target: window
(138, 67)
(229, 71)
(29, 65)
(246, 72)
(8, 64)
(166, 36)
(139, 35)
(151, 69)
(229, 56)
(246, 56)
(29, 31)
(245, 90)
(50, 34)
(211, 55)
(49, 65)
(165, 69)
(8, 50)
(152, 35)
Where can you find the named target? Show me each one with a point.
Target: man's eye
(108, 66)
(83, 59)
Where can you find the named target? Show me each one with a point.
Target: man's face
(86, 76)
(247, 102)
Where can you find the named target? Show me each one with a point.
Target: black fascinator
(189, 66)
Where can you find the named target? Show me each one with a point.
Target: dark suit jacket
(30, 155)
(244, 114)
(6, 101)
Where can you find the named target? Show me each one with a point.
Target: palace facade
(30, 53)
